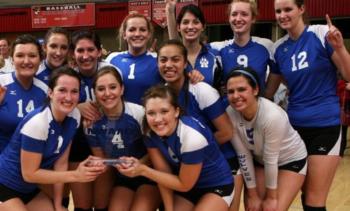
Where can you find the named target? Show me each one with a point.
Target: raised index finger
(329, 21)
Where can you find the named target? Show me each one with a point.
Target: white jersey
(269, 138)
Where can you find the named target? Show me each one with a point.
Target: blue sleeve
(32, 145)
(149, 142)
(193, 157)
(215, 110)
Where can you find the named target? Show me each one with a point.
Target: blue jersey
(139, 73)
(193, 143)
(120, 137)
(311, 78)
(255, 54)
(203, 102)
(37, 133)
(17, 103)
(44, 72)
(207, 63)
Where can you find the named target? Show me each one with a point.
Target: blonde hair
(123, 45)
(252, 3)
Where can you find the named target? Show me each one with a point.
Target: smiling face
(86, 56)
(190, 27)
(64, 96)
(26, 59)
(241, 95)
(161, 116)
(56, 49)
(241, 17)
(288, 14)
(137, 34)
(109, 91)
(171, 64)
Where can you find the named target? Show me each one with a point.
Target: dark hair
(56, 30)
(60, 71)
(159, 91)
(184, 53)
(194, 10)
(26, 39)
(108, 70)
(85, 34)
(299, 3)
(176, 43)
(248, 73)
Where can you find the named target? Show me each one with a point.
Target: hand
(254, 203)
(170, 5)
(2, 93)
(89, 110)
(269, 204)
(195, 76)
(334, 36)
(87, 172)
(131, 168)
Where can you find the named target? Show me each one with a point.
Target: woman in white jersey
(271, 153)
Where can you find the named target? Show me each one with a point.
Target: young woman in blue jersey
(245, 50)
(56, 46)
(308, 58)
(86, 47)
(38, 151)
(199, 100)
(190, 23)
(119, 133)
(271, 153)
(21, 92)
(190, 170)
(138, 65)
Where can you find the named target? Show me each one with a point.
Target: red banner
(181, 3)
(143, 7)
(64, 15)
(158, 14)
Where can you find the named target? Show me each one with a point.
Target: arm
(89, 111)
(341, 56)
(224, 128)
(273, 82)
(32, 173)
(170, 17)
(60, 165)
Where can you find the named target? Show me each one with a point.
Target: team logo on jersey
(52, 131)
(124, 59)
(204, 62)
(231, 50)
(117, 140)
(285, 49)
(13, 92)
(172, 155)
(250, 133)
(46, 78)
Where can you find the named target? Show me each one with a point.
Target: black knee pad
(103, 209)
(81, 209)
(309, 208)
(65, 202)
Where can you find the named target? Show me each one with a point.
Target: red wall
(215, 11)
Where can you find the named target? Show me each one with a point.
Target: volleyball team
(189, 127)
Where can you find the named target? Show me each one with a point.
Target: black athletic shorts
(322, 140)
(8, 193)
